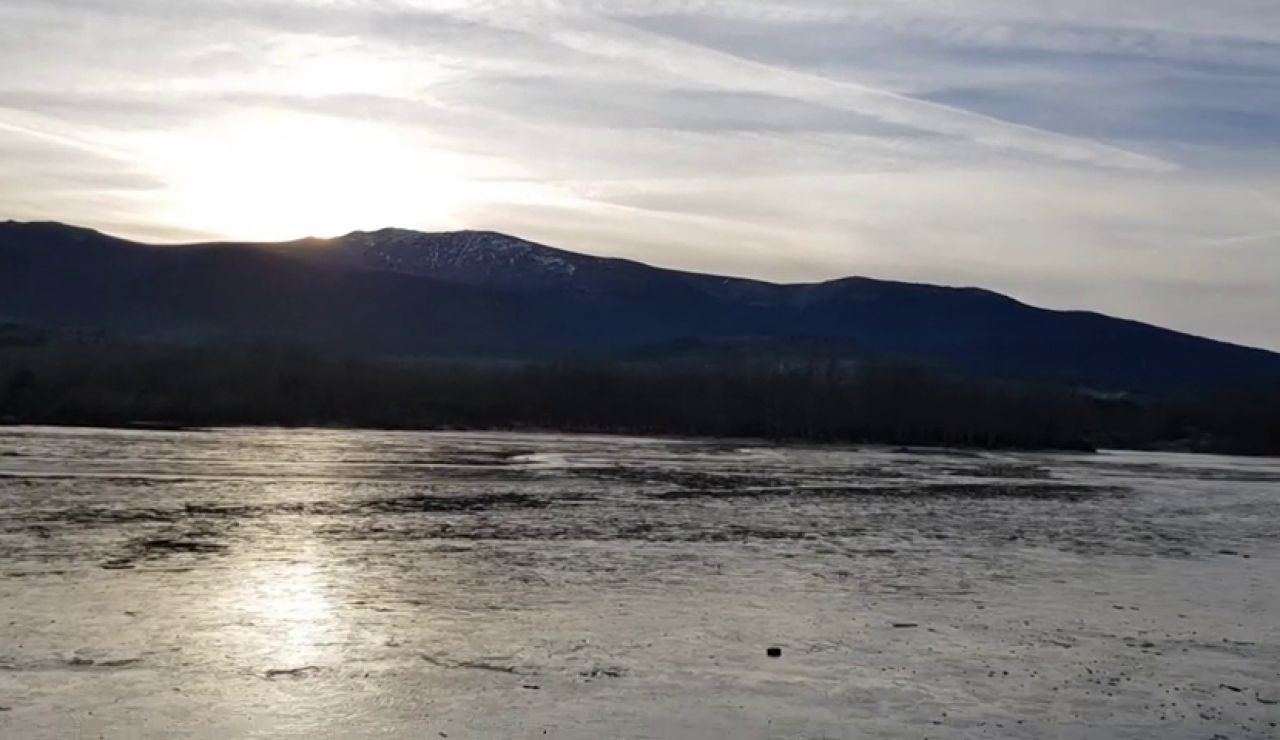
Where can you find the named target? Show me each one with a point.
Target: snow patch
(479, 257)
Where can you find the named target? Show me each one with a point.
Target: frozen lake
(273, 583)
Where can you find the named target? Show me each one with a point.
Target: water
(270, 583)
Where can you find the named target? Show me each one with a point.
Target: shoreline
(896, 446)
(623, 432)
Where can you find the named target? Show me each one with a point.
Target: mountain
(487, 294)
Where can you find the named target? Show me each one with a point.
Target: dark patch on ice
(1000, 470)
(687, 494)
(168, 545)
(935, 452)
(203, 539)
(409, 504)
(476, 665)
(600, 672)
(1160, 470)
(140, 481)
(1047, 491)
(303, 672)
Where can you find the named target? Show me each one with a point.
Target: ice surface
(276, 583)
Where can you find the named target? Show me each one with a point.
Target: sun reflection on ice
(291, 608)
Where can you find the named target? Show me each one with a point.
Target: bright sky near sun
(1116, 156)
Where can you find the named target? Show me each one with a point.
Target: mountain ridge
(490, 294)
(312, 242)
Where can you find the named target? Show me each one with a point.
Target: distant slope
(55, 276)
(482, 293)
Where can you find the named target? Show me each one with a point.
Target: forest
(89, 379)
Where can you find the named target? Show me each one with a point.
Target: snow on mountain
(492, 259)
(471, 257)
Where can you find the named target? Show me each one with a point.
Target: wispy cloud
(1078, 153)
(52, 137)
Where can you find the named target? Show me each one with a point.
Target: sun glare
(280, 176)
(290, 608)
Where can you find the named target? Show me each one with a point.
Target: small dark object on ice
(532, 687)
(904, 625)
(1229, 687)
(774, 652)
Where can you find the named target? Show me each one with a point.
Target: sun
(273, 176)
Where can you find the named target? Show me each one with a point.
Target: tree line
(99, 381)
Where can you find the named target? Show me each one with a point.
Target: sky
(1113, 156)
